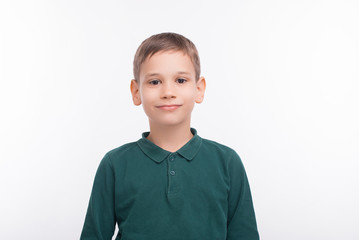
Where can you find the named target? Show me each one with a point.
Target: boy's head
(165, 42)
(167, 82)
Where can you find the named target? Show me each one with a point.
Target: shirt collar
(158, 154)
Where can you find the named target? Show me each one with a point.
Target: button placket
(172, 178)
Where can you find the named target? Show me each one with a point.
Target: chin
(168, 122)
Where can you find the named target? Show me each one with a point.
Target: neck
(170, 138)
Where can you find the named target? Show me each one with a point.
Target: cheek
(143, 94)
(148, 97)
(190, 95)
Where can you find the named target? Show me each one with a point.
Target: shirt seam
(114, 183)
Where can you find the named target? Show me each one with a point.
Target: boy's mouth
(169, 107)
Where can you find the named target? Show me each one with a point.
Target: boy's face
(167, 88)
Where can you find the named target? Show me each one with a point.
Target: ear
(201, 88)
(135, 91)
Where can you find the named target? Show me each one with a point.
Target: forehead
(166, 62)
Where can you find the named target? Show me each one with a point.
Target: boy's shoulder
(215, 147)
(123, 150)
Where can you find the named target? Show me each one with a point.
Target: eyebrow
(152, 74)
(157, 74)
(186, 73)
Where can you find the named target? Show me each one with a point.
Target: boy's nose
(168, 91)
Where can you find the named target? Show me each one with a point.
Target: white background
(282, 90)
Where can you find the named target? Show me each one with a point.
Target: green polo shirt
(199, 192)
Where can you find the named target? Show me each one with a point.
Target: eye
(181, 80)
(154, 82)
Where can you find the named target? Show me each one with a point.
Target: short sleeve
(100, 217)
(241, 223)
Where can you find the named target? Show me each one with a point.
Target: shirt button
(172, 173)
(172, 159)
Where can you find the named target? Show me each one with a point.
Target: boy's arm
(241, 223)
(100, 217)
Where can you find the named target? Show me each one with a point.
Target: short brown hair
(165, 42)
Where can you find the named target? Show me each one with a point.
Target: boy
(171, 184)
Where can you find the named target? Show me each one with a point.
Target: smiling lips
(169, 107)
